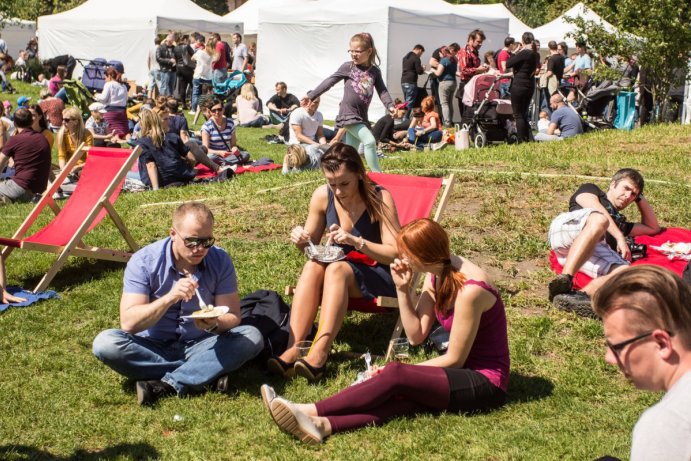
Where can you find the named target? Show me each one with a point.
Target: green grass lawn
(57, 401)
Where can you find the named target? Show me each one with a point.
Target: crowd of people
(167, 351)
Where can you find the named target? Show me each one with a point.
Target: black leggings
(403, 389)
(521, 94)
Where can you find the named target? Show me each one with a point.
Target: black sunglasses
(194, 242)
(218, 109)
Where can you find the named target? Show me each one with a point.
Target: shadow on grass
(78, 272)
(524, 388)
(141, 451)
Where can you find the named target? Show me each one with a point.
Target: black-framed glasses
(618, 347)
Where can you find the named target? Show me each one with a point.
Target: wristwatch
(640, 196)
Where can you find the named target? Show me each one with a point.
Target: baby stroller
(488, 118)
(94, 77)
(597, 103)
(228, 89)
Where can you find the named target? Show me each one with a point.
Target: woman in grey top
(362, 76)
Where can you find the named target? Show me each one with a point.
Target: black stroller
(488, 118)
(596, 103)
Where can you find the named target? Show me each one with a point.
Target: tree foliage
(657, 32)
(219, 7)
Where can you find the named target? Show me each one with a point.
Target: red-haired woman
(427, 130)
(473, 374)
(114, 97)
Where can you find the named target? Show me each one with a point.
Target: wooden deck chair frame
(75, 246)
(392, 303)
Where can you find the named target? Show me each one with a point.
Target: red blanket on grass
(205, 172)
(672, 234)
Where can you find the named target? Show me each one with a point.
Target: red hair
(426, 243)
(427, 104)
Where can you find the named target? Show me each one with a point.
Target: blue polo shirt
(151, 271)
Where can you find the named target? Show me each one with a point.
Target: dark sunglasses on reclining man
(194, 242)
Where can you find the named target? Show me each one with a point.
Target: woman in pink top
(473, 374)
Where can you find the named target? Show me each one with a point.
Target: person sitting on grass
(248, 106)
(591, 237)
(428, 131)
(71, 135)
(218, 133)
(281, 104)
(30, 152)
(361, 219)
(306, 127)
(564, 120)
(165, 159)
(299, 159)
(473, 374)
(99, 127)
(158, 344)
(646, 315)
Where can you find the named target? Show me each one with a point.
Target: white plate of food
(210, 312)
(325, 253)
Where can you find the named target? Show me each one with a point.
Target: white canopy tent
(557, 29)
(493, 10)
(307, 43)
(123, 31)
(17, 33)
(247, 14)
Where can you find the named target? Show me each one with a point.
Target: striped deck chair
(99, 187)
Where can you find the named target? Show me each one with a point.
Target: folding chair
(414, 197)
(99, 187)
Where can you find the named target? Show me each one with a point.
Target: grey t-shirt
(568, 122)
(360, 83)
(663, 431)
(239, 55)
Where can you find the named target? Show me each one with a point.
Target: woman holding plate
(360, 218)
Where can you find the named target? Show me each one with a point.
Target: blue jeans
(409, 93)
(360, 133)
(277, 118)
(504, 90)
(185, 366)
(62, 94)
(256, 123)
(329, 134)
(432, 136)
(167, 82)
(197, 90)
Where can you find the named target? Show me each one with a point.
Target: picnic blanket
(657, 258)
(30, 297)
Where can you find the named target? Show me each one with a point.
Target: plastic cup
(400, 348)
(303, 348)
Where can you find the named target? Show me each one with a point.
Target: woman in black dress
(524, 63)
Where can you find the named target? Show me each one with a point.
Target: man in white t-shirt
(307, 128)
(239, 53)
(646, 315)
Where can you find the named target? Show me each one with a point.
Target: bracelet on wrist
(361, 244)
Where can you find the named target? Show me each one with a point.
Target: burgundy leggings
(401, 390)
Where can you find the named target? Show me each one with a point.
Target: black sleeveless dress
(373, 281)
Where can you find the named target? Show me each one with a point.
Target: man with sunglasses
(159, 345)
(646, 315)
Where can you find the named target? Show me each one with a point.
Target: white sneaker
(439, 145)
(192, 112)
(59, 195)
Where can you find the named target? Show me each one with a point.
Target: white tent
(493, 10)
(305, 44)
(17, 33)
(124, 30)
(248, 13)
(557, 29)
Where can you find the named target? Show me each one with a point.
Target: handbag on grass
(230, 157)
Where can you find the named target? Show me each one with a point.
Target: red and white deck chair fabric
(414, 197)
(99, 186)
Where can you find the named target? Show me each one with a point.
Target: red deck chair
(98, 188)
(414, 197)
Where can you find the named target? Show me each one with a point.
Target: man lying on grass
(173, 340)
(591, 237)
(646, 314)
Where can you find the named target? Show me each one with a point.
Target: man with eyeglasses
(592, 237)
(159, 345)
(646, 315)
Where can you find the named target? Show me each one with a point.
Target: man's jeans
(409, 93)
(277, 118)
(197, 90)
(185, 366)
(167, 82)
